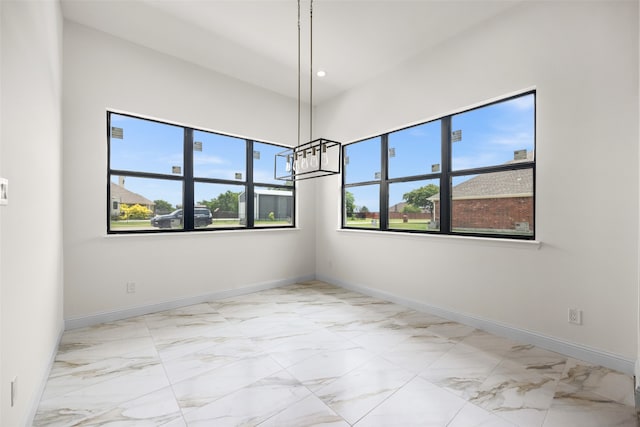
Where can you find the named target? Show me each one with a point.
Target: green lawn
(221, 223)
(138, 224)
(269, 223)
(413, 224)
(144, 224)
(394, 224)
(362, 223)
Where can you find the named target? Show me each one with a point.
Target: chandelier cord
(299, 68)
(311, 70)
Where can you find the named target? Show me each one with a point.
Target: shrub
(134, 212)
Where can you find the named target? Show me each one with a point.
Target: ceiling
(256, 40)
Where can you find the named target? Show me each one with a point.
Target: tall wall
(582, 57)
(31, 267)
(102, 72)
(637, 368)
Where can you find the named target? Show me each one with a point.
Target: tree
(362, 213)
(409, 209)
(163, 207)
(419, 197)
(349, 203)
(225, 202)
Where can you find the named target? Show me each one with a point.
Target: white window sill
(482, 241)
(211, 232)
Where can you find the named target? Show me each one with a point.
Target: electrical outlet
(14, 390)
(131, 287)
(575, 316)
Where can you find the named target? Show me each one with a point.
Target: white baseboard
(581, 352)
(111, 316)
(37, 396)
(577, 351)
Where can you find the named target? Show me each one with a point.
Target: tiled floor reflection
(313, 354)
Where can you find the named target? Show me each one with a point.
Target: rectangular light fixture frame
(320, 157)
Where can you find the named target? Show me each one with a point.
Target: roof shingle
(128, 197)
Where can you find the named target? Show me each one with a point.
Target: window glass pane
(263, 162)
(273, 207)
(136, 203)
(362, 161)
(411, 205)
(362, 206)
(224, 201)
(415, 151)
(145, 146)
(496, 203)
(219, 156)
(494, 135)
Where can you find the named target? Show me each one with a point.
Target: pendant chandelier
(316, 158)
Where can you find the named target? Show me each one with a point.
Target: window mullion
(188, 203)
(384, 183)
(445, 178)
(250, 188)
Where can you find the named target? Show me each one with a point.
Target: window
(164, 177)
(471, 173)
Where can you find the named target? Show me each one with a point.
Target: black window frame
(188, 182)
(445, 177)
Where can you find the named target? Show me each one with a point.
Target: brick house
(494, 201)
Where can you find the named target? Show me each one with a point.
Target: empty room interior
(327, 213)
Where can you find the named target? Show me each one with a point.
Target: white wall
(583, 59)
(637, 367)
(104, 72)
(1, 171)
(31, 239)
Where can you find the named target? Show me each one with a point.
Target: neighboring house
(266, 201)
(120, 195)
(398, 207)
(496, 201)
(396, 212)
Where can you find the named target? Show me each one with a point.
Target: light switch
(4, 191)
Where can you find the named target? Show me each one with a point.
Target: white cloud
(478, 160)
(208, 160)
(521, 103)
(518, 141)
(263, 176)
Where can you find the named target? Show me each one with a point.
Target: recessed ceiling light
(321, 73)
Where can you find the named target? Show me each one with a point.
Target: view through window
(471, 173)
(164, 177)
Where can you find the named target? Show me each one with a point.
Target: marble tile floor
(312, 354)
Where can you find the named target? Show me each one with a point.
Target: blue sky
(155, 147)
(490, 135)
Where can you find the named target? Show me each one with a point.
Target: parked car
(201, 218)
